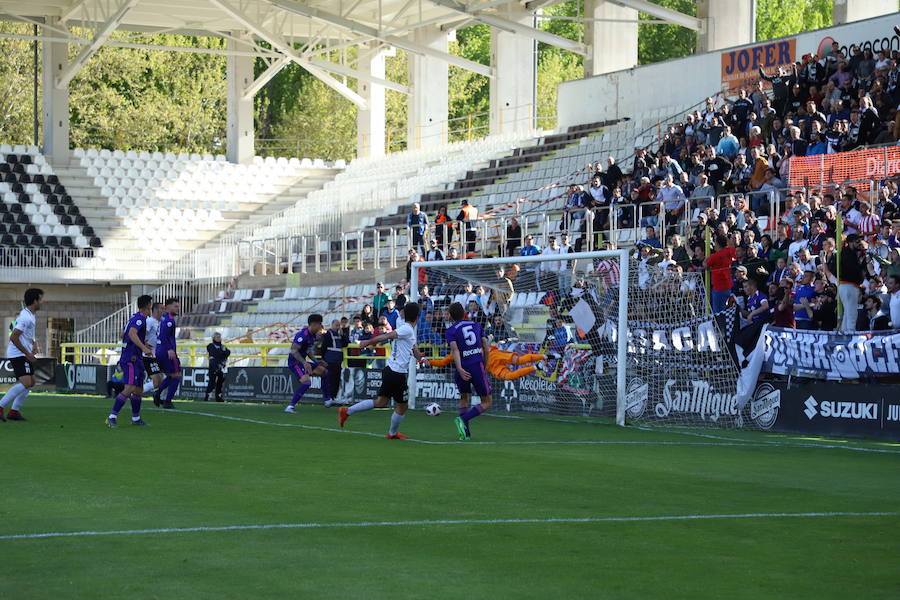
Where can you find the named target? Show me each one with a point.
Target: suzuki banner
(832, 408)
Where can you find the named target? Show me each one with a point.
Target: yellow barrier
(189, 353)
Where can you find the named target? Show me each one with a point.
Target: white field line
(366, 524)
(725, 441)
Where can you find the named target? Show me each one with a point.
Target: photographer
(218, 357)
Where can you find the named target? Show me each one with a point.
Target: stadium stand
(37, 210)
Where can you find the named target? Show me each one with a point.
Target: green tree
(663, 42)
(16, 85)
(779, 18)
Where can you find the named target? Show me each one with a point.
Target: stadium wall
(686, 81)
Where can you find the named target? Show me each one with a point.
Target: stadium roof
(280, 30)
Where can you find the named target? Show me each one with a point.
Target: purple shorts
(133, 371)
(479, 380)
(298, 370)
(167, 365)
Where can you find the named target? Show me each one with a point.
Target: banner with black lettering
(831, 355)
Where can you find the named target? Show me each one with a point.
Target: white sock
(20, 399)
(396, 419)
(149, 386)
(11, 394)
(113, 416)
(361, 406)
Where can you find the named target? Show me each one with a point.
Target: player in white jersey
(21, 352)
(393, 376)
(151, 365)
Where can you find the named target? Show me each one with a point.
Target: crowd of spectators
(715, 189)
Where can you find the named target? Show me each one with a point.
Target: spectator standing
(443, 228)
(391, 313)
(468, 219)
(853, 269)
(379, 301)
(332, 349)
(803, 307)
(218, 362)
(757, 305)
(356, 380)
(703, 193)
(417, 224)
(367, 314)
(874, 318)
(893, 286)
(719, 265)
(513, 236)
(399, 297)
(434, 251)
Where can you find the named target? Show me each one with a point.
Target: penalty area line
(423, 523)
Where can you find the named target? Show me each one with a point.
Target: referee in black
(218, 357)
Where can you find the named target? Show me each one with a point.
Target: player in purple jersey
(132, 363)
(470, 348)
(167, 354)
(302, 362)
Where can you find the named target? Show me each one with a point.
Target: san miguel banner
(741, 66)
(831, 355)
(833, 169)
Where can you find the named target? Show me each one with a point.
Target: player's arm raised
(457, 360)
(14, 338)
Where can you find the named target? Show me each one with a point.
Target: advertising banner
(43, 371)
(833, 169)
(741, 66)
(832, 408)
(82, 379)
(831, 355)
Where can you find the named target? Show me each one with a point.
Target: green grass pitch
(64, 471)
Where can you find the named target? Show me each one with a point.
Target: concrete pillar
(847, 11)
(512, 89)
(726, 23)
(55, 105)
(612, 44)
(241, 134)
(370, 122)
(428, 98)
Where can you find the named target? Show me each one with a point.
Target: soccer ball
(432, 409)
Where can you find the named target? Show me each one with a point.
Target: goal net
(599, 334)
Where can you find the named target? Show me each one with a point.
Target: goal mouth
(598, 335)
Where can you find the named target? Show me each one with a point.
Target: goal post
(541, 283)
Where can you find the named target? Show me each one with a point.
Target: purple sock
(135, 406)
(472, 413)
(163, 385)
(298, 393)
(118, 404)
(173, 387)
